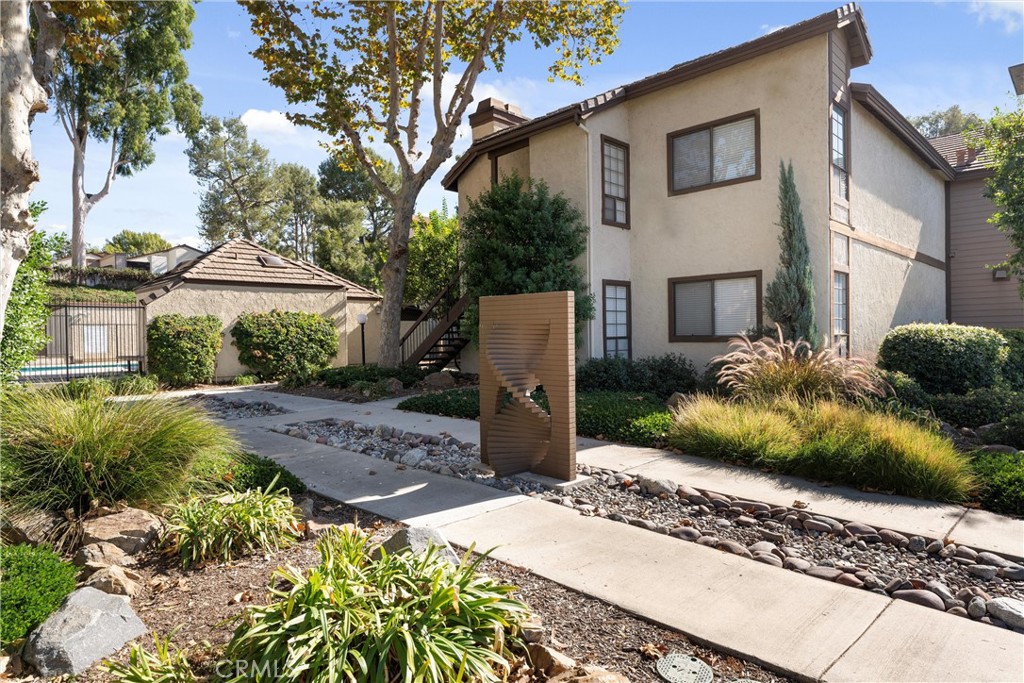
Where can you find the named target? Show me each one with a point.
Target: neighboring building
(241, 277)
(157, 262)
(978, 293)
(677, 178)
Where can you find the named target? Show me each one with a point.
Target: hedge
(285, 344)
(345, 377)
(1013, 371)
(978, 407)
(658, 375)
(945, 359)
(183, 350)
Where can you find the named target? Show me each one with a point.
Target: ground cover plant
(826, 440)
(1002, 476)
(181, 350)
(344, 377)
(225, 526)
(33, 582)
(253, 471)
(280, 345)
(403, 616)
(61, 453)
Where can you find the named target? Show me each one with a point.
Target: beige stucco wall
(228, 302)
(515, 162)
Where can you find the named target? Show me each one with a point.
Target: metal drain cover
(676, 667)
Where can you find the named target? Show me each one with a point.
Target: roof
(164, 251)
(237, 262)
(849, 18)
(883, 110)
(956, 149)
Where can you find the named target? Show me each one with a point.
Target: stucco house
(241, 277)
(978, 293)
(677, 177)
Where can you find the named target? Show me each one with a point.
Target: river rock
(1009, 610)
(983, 571)
(920, 597)
(894, 538)
(734, 548)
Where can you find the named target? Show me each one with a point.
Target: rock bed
(929, 572)
(957, 579)
(439, 454)
(231, 409)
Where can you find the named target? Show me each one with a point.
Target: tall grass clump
(65, 454)
(770, 368)
(165, 664)
(401, 617)
(826, 440)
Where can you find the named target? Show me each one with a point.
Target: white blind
(693, 314)
(735, 305)
(734, 150)
(691, 160)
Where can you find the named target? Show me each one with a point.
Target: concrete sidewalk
(977, 529)
(806, 628)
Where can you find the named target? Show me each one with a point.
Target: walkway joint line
(855, 640)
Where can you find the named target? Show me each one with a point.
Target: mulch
(196, 608)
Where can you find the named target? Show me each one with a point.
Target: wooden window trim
(833, 197)
(673, 281)
(629, 315)
(670, 138)
(625, 146)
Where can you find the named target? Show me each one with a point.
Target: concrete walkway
(806, 628)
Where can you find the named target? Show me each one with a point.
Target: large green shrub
(945, 359)
(1009, 432)
(182, 350)
(345, 376)
(827, 440)
(658, 375)
(285, 344)
(518, 238)
(978, 407)
(401, 617)
(33, 583)
(24, 332)
(61, 453)
(1002, 481)
(1013, 371)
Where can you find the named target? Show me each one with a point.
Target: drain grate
(676, 667)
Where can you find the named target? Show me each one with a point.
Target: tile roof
(238, 262)
(955, 149)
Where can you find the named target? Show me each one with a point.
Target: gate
(90, 340)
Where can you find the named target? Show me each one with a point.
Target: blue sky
(927, 56)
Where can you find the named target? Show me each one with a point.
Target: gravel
(230, 409)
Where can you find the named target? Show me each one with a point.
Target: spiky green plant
(165, 664)
(402, 617)
(789, 297)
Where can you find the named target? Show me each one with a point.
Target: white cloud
(272, 122)
(1009, 13)
(768, 28)
(233, 34)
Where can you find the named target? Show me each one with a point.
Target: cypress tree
(789, 298)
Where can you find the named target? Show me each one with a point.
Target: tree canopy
(1002, 138)
(135, 243)
(945, 122)
(433, 256)
(367, 71)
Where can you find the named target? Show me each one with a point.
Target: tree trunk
(79, 204)
(21, 96)
(393, 281)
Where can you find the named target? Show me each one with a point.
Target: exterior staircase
(435, 340)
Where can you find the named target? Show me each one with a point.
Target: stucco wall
(229, 302)
(887, 290)
(515, 162)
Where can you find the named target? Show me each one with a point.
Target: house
(241, 277)
(677, 178)
(157, 262)
(978, 293)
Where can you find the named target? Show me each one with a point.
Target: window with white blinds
(616, 320)
(840, 172)
(713, 308)
(615, 182)
(715, 154)
(841, 312)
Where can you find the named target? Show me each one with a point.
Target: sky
(927, 56)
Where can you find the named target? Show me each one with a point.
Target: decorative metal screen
(527, 341)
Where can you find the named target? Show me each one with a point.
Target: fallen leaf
(240, 597)
(799, 504)
(652, 651)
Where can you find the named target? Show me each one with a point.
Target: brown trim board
(889, 246)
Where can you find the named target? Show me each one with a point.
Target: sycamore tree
(27, 56)
(135, 243)
(1002, 138)
(403, 74)
(125, 99)
(945, 122)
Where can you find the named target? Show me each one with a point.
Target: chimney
(961, 157)
(972, 154)
(493, 115)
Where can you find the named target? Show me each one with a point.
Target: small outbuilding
(242, 277)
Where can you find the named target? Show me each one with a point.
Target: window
(714, 154)
(615, 182)
(841, 293)
(617, 323)
(840, 169)
(714, 307)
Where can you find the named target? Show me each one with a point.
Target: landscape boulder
(96, 556)
(417, 539)
(1010, 610)
(87, 627)
(551, 662)
(439, 380)
(32, 527)
(115, 581)
(131, 530)
(393, 385)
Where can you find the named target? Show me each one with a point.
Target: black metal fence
(90, 340)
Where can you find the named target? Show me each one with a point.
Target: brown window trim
(673, 281)
(629, 315)
(755, 113)
(840, 268)
(617, 143)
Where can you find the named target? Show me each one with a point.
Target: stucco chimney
(961, 157)
(492, 115)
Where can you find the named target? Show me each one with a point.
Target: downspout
(590, 251)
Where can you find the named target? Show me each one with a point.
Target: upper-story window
(840, 170)
(713, 154)
(615, 182)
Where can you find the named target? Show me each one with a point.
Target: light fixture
(361, 319)
(1000, 274)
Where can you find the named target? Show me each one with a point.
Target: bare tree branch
(419, 68)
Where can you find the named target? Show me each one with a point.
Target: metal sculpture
(528, 340)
